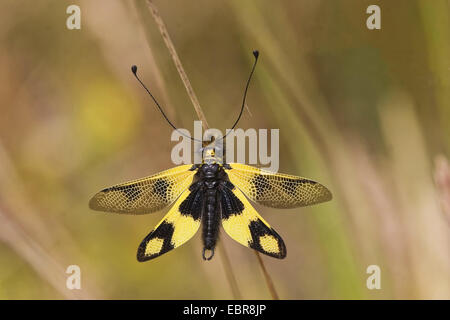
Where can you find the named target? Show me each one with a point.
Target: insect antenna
(134, 70)
(256, 55)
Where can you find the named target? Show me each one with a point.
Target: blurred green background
(364, 112)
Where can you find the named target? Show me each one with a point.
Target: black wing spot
(291, 185)
(192, 205)
(262, 185)
(230, 204)
(132, 192)
(160, 187)
(164, 231)
(258, 229)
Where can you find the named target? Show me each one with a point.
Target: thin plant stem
(187, 84)
(225, 260)
(442, 181)
(176, 60)
(229, 271)
(267, 277)
(28, 243)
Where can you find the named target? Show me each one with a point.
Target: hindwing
(243, 223)
(178, 226)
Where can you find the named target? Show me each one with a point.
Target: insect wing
(243, 223)
(144, 195)
(276, 190)
(178, 226)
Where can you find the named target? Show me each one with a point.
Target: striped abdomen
(210, 222)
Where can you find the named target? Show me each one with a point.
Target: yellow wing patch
(144, 195)
(243, 223)
(276, 190)
(174, 229)
(269, 243)
(154, 246)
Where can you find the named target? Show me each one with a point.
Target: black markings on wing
(144, 195)
(276, 190)
(266, 186)
(230, 204)
(259, 232)
(243, 223)
(131, 192)
(175, 228)
(193, 204)
(163, 235)
(263, 186)
(160, 188)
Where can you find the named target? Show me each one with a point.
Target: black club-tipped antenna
(256, 55)
(134, 70)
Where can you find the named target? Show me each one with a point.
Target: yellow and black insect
(210, 194)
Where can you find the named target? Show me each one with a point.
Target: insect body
(211, 194)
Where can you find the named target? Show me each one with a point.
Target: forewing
(242, 223)
(276, 190)
(144, 195)
(178, 226)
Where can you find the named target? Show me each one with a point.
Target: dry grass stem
(28, 244)
(229, 272)
(225, 260)
(442, 180)
(176, 60)
(173, 53)
(267, 277)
